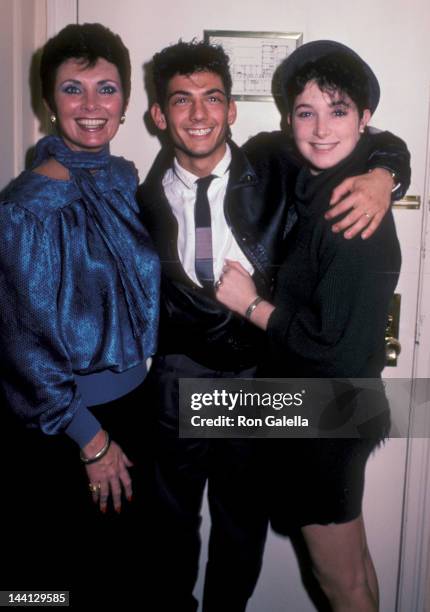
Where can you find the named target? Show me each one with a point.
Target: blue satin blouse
(64, 308)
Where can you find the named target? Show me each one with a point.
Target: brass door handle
(393, 349)
(392, 344)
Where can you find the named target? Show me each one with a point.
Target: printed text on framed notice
(254, 57)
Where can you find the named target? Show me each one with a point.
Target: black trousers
(52, 536)
(182, 469)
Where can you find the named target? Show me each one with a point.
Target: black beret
(317, 49)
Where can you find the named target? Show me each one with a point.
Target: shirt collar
(189, 179)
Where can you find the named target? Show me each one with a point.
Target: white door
(393, 37)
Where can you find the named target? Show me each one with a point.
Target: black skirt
(321, 480)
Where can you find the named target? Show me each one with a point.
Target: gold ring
(218, 284)
(94, 488)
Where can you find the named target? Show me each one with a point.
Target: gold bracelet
(101, 453)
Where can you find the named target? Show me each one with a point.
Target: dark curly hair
(186, 58)
(87, 43)
(334, 73)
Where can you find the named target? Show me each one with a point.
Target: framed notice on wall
(254, 57)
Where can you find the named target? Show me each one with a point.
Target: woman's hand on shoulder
(108, 475)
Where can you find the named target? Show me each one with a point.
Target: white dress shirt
(181, 191)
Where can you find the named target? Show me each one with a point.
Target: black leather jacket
(258, 197)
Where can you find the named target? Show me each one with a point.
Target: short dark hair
(335, 72)
(87, 43)
(186, 58)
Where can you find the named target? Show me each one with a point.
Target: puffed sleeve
(339, 329)
(36, 373)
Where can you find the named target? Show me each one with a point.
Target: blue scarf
(80, 164)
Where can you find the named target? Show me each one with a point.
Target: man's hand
(367, 198)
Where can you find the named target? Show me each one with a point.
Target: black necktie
(203, 250)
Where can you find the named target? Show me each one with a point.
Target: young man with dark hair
(187, 58)
(206, 200)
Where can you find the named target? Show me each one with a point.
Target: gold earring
(122, 120)
(53, 118)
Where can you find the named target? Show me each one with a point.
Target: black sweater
(332, 295)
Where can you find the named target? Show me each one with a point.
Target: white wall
(6, 92)
(22, 30)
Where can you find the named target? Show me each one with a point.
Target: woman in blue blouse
(79, 278)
